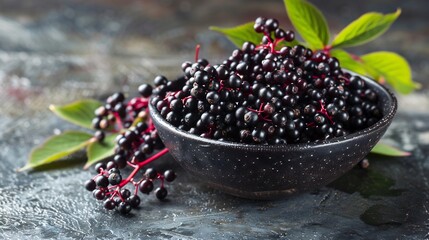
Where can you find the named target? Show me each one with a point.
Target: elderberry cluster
(137, 144)
(108, 185)
(268, 94)
(137, 138)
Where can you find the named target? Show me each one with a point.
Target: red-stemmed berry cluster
(264, 94)
(137, 144)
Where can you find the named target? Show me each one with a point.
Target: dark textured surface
(60, 51)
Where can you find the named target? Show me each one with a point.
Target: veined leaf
(348, 62)
(98, 151)
(364, 29)
(240, 34)
(57, 147)
(80, 112)
(309, 22)
(387, 150)
(392, 68)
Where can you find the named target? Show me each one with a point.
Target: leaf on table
(80, 112)
(392, 68)
(98, 151)
(309, 22)
(57, 147)
(364, 29)
(387, 150)
(348, 62)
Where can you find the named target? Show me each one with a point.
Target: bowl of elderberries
(266, 123)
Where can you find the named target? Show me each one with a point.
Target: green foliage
(80, 112)
(311, 25)
(392, 68)
(348, 62)
(303, 14)
(97, 151)
(387, 150)
(245, 33)
(364, 29)
(57, 147)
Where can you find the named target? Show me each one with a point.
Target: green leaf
(57, 147)
(289, 44)
(240, 34)
(80, 112)
(364, 29)
(245, 33)
(98, 151)
(390, 67)
(387, 150)
(309, 22)
(348, 62)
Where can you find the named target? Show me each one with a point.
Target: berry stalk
(139, 166)
(137, 145)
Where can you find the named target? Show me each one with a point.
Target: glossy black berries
(136, 144)
(107, 186)
(263, 94)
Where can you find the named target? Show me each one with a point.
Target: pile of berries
(268, 94)
(137, 144)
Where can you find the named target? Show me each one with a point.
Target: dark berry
(145, 90)
(109, 204)
(146, 186)
(90, 185)
(102, 181)
(124, 208)
(160, 80)
(98, 194)
(115, 178)
(169, 175)
(161, 193)
(151, 173)
(134, 201)
(125, 193)
(100, 166)
(271, 24)
(289, 36)
(99, 135)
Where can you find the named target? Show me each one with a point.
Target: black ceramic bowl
(273, 171)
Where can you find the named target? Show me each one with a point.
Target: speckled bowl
(273, 171)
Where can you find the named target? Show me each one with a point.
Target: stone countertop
(58, 52)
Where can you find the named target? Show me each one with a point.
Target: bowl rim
(385, 120)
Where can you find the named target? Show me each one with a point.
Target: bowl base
(258, 195)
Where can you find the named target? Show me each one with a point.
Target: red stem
(197, 52)
(142, 164)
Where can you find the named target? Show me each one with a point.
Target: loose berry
(161, 193)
